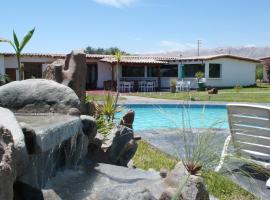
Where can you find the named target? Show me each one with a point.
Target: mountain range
(245, 51)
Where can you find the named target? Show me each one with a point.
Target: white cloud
(116, 3)
(168, 45)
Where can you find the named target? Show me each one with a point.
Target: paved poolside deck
(170, 141)
(129, 99)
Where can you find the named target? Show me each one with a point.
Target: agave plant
(109, 108)
(18, 47)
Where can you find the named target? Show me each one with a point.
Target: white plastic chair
(142, 86)
(179, 86)
(186, 85)
(125, 86)
(150, 86)
(250, 133)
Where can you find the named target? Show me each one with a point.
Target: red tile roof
(142, 59)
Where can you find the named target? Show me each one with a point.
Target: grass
(219, 186)
(246, 94)
(99, 97)
(148, 157)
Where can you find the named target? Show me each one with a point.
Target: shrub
(199, 75)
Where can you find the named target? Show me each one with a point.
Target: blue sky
(137, 26)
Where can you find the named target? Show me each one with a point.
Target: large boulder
(9, 122)
(107, 182)
(38, 96)
(128, 119)
(7, 165)
(70, 72)
(121, 145)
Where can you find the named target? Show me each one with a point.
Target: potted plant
(199, 75)
(173, 86)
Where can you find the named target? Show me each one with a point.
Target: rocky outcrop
(38, 96)
(70, 72)
(89, 126)
(193, 187)
(128, 119)
(107, 182)
(213, 91)
(121, 145)
(7, 164)
(59, 143)
(9, 122)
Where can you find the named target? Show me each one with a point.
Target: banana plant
(18, 47)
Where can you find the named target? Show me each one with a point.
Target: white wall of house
(2, 64)
(233, 72)
(11, 61)
(104, 73)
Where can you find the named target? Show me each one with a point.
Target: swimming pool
(149, 117)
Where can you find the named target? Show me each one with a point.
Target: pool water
(149, 117)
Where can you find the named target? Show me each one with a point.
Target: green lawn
(99, 97)
(219, 186)
(249, 94)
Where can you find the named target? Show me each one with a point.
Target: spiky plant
(18, 47)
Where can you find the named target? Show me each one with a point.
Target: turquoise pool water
(149, 117)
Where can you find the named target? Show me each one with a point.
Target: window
(32, 70)
(134, 71)
(169, 71)
(191, 69)
(214, 70)
(152, 71)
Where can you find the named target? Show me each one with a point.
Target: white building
(219, 70)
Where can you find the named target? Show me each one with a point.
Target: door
(11, 72)
(91, 76)
(32, 70)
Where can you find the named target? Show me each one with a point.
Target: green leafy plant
(199, 75)
(18, 47)
(105, 112)
(173, 83)
(4, 78)
(109, 108)
(259, 74)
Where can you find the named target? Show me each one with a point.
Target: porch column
(206, 70)
(159, 79)
(44, 67)
(145, 71)
(179, 71)
(2, 65)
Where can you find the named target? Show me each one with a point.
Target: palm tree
(18, 47)
(118, 57)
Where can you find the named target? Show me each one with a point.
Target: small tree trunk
(19, 67)
(117, 78)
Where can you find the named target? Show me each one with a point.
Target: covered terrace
(140, 73)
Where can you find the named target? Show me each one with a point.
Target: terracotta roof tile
(141, 59)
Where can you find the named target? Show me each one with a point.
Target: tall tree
(108, 51)
(18, 47)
